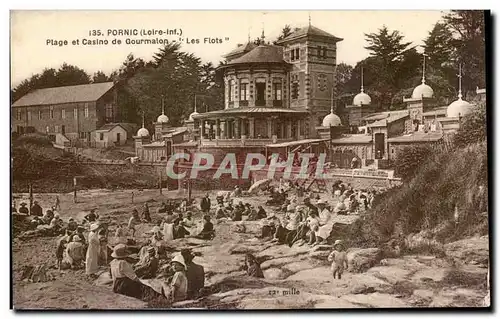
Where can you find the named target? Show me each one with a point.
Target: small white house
(112, 134)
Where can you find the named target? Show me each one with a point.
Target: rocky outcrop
(361, 260)
(473, 250)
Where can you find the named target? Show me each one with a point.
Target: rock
(277, 262)
(435, 274)
(366, 283)
(362, 259)
(334, 303)
(328, 248)
(240, 249)
(298, 266)
(423, 293)
(319, 274)
(321, 255)
(390, 274)
(274, 273)
(375, 300)
(104, 279)
(238, 228)
(469, 250)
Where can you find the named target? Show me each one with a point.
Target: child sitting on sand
(338, 258)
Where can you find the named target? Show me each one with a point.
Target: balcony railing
(260, 103)
(278, 103)
(244, 141)
(243, 103)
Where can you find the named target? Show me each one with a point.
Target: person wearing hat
(220, 212)
(79, 231)
(148, 266)
(75, 252)
(205, 204)
(92, 216)
(93, 251)
(208, 231)
(195, 274)
(134, 221)
(56, 223)
(179, 230)
(36, 210)
(338, 258)
(125, 281)
(23, 209)
(177, 290)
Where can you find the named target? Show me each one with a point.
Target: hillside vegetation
(444, 196)
(36, 161)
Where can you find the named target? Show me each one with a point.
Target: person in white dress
(93, 251)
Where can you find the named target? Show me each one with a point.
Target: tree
(66, 75)
(467, 28)
(438, 46)
(286, 31)
(100, 77)
(343, 75)
(410, 159)
(473, 128)
(389, 54)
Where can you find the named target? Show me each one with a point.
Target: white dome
(191, 115)
(458, 108)
(143, 132)
(331, 120)
(162, 119)
(423, 90)
(362, 99)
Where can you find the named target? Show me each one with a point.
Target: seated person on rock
(237, 215)
(147, 266)
(179, 230)
(125, 281)
(23, 209)
(146, 216)
(36, 210)
(208, 231)
(75, 253)
(92, 216)
(220, 212)
(195, 275)
(188, 221)
(177, 289)
(252, 267)
(72, 225)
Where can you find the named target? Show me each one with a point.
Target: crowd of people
(298, 217)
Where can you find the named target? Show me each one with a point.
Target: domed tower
(191, 123)
(142, 137)
(361, 106)
(422, 99)
(331, 125)
(161, 122)
(459, 107)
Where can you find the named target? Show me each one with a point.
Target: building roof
(175, 131)
(441, 110)
(241, 48)
(353, 139)
(417, 137)
(65, 94)
(295, 143)
(309, 31)
(250, 110)
(155, 144)
(187, 144)
(388, 120)
(261, 54)
(108, 127)
(383, 115)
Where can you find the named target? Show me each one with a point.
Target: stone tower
(313, 54)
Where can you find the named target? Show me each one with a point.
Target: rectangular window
(29, 115)
(56, 129)
(86, 110)
(297, 54)
(39, 114)
(277, 91)
(292, 58)
(230, 90)
(101, 136)
(63, 113)
(244, 92)
(19, 115)
(295, 87)
(75, 113)
(109, 112)
(324, 51)
(51, 112)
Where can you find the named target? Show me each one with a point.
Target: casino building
(279, 98)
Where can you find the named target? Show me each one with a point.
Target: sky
(33, 34)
